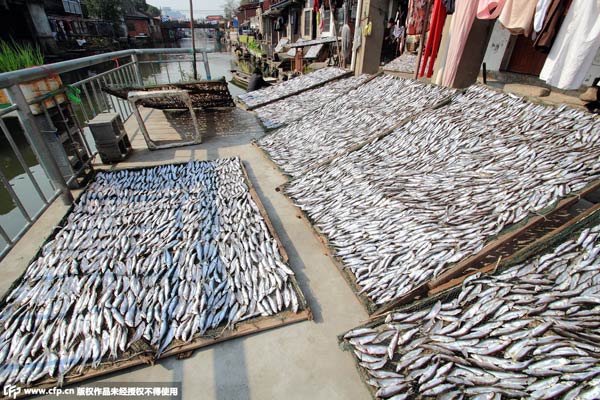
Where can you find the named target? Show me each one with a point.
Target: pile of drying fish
(401, 210)
(303, 82)
(293, 108)
(528, 332)
(159, 254)
(369, 109)
(405, 63)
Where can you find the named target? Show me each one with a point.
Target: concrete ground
(300, 361)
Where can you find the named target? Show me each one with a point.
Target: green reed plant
(14, 56)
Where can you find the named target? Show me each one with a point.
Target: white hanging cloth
(575, 47)
(540, 13)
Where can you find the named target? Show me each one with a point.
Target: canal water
(221, 62)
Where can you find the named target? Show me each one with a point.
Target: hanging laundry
(356, 43)
(449, 4)
(489, 9)
(462, 21)
(438, 18)
(550, 25)
(416, 17)
(346, 42)
(321, 19)
(575, 47)
(517, 16)
(279, 24)
(540, 13)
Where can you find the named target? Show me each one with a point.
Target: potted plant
(15, 56)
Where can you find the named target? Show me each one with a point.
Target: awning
(308, 43)
(283, 4)
(279, 7)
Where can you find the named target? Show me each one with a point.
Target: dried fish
(308, 81)
(294, 108)
(371, 108)
(161, 254)
(405, 63)
(538, 374)
(401, 210)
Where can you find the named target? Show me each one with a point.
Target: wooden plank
(147, 357)
(263, 213)
(265, 154)
(280, 246)
(243, 329)
(589, 218)
(328, 250)
(456, 274)
(419, 291)
(538, 243)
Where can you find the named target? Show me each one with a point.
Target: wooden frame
(542, 245)
(135, 97)
(141, 352)
(508, 233)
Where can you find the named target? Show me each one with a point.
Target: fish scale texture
(406, 63)
(161, 254)
(349, 120)
(292, 108)
(530, 331)
(400, 211)
(289, 87)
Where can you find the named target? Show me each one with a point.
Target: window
(327, 24)
(307, 24)
(72, 6)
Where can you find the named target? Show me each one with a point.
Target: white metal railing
(92, 100)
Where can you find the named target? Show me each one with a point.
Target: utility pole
(193, 39)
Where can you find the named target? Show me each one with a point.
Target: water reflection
(221, 63)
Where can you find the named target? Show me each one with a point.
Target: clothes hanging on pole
(551, 24)
(449, 4)
(540, 14)
(489, 9)
(346, 42)
(357, 39)
(416, 17)
(321, 22)
(462, 21)
(517, 16)
(438, 18)
(575, 47)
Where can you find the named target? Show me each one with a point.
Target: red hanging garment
(415, 17)
(438, 18)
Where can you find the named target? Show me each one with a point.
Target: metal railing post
(206, 66)
(136, 69)
(34, 136)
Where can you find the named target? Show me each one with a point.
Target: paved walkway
(300, 361)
